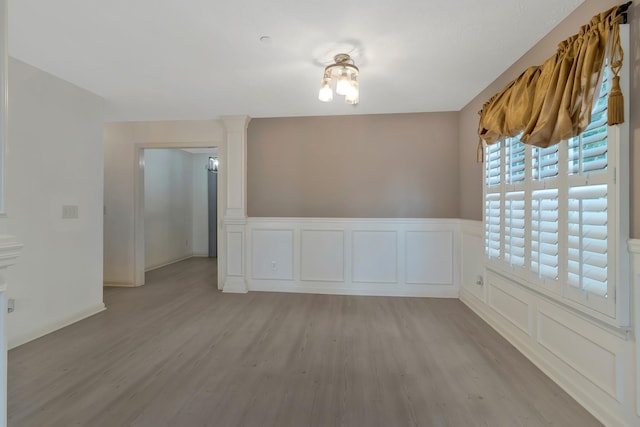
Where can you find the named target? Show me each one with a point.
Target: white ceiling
(199, 59)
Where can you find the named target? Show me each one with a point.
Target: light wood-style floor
(177, 352)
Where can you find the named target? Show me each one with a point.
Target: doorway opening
(177, 206)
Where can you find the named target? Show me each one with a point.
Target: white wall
(168, 206)
(176, 206)
(55, 158)
(118, 203)
(122, 141)
(200, 205)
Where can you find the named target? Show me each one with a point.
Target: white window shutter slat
(544, 234)
(514, 236)
(493, 226)
(587, 253)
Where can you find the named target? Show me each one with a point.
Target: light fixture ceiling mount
(345, 73)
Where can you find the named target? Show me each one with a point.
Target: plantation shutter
(587, 239)
(588, 213)
(545, 162)
(514, 228)
(544, 234)
(588, 152)
(492, 225)
(514, 152)
(493, 161)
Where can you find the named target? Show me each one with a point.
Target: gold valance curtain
(553, 101)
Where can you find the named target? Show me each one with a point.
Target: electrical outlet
(69, 211)
(11, 305)
(274, 265)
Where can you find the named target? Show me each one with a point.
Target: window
(552, 216)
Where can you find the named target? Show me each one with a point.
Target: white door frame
(138, 203)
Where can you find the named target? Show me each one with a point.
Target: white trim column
(9, 251)
(4, 97)
(235, 214)
(9, 247)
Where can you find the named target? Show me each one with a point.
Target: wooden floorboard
(177, 352)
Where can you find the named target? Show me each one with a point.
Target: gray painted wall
(367, 166)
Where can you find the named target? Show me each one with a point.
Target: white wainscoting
(395, 257)
(597, 364)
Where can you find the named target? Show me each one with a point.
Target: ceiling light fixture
(212, 164)
(345, 73)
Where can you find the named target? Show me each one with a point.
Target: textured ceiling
(199, 59)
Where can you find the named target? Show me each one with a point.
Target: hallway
(177, 352)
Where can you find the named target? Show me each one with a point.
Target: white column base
(235, 232)
(235, 285)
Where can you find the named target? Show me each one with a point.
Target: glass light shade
(326, 93)
(212, 164)
(342, 87)
(353, 93)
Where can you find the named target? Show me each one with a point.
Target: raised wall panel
(429, 257)
(234, 253)
(472, 264)
(272, 254)
(375, 256)
(353, 256)
(322, 255)
(515, 310)
(587, 357)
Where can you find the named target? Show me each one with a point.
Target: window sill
(593, 317)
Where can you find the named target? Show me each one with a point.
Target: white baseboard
(235, 285)
(115, 284)
(390, 290)
(155, 267)
(25, 338)
(123, 284)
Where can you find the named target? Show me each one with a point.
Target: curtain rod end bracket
(622, 11)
